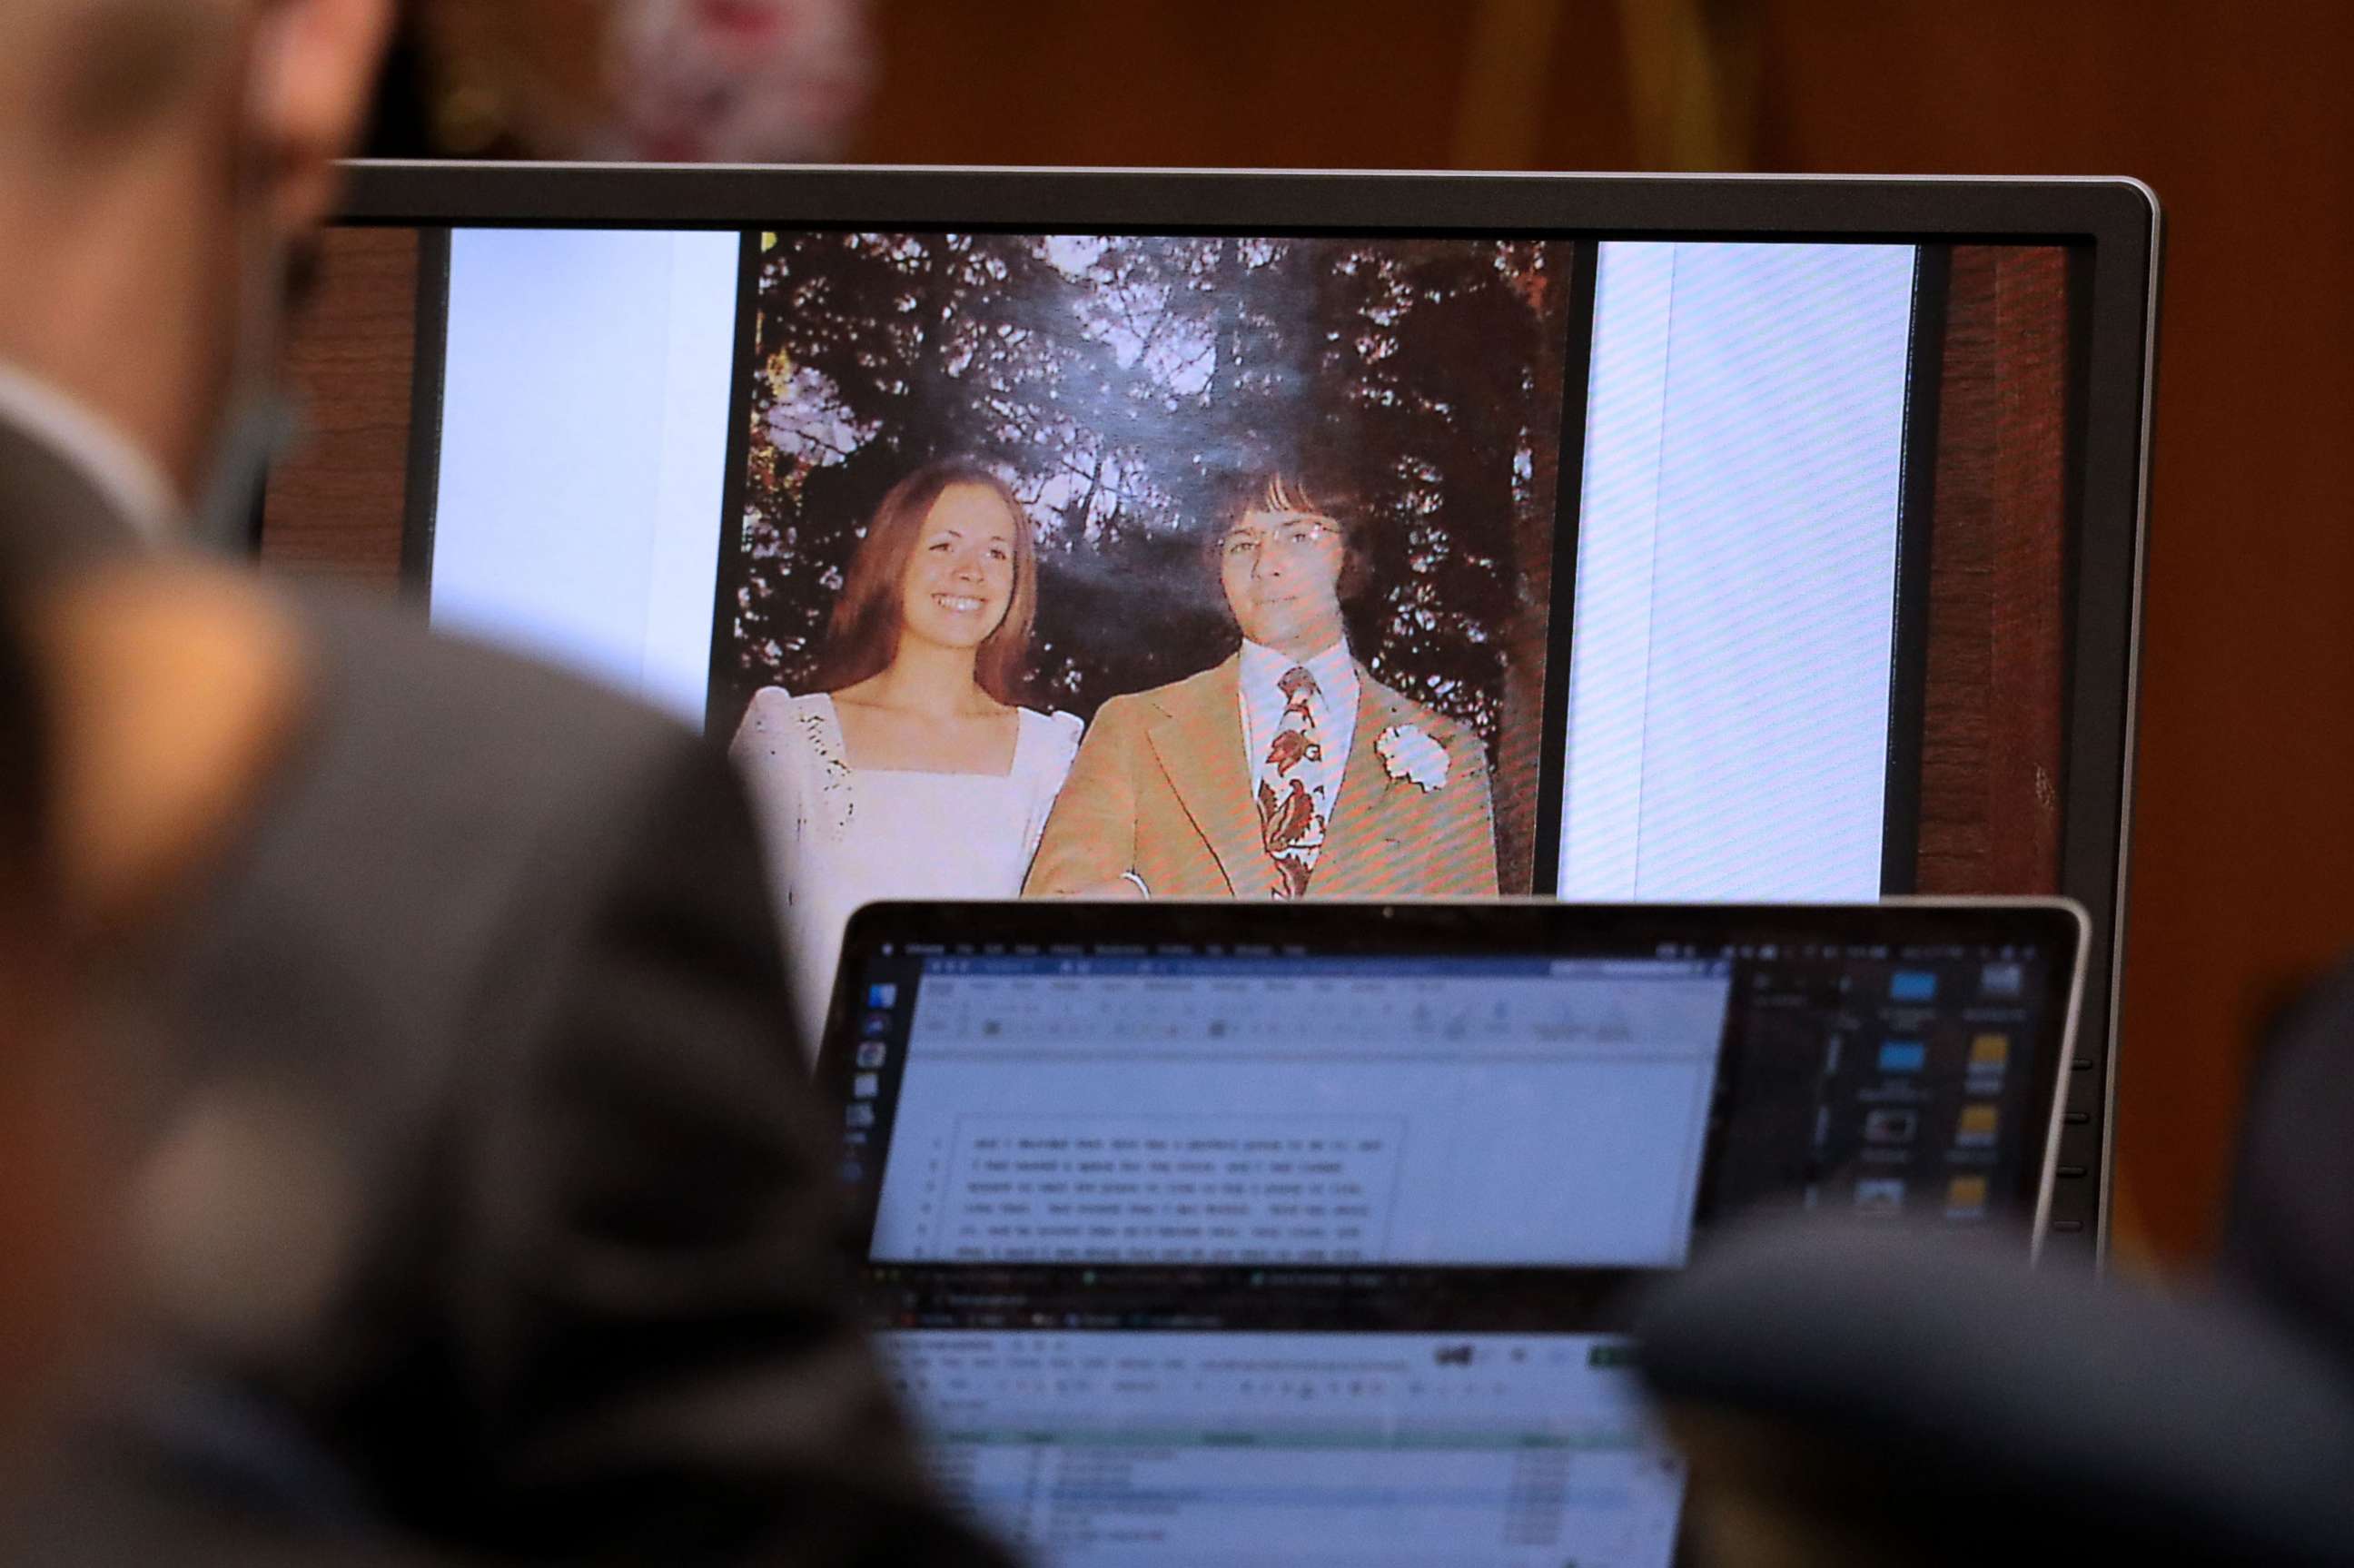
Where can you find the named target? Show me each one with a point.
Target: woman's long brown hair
(863, 637)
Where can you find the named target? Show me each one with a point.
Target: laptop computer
(1207, 1232)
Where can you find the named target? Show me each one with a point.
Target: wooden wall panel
(1956, 830)
(1245, 83)
(335, 501)
(2243, 856)
(1217, 82)
(1991, 747)
(2029, 604)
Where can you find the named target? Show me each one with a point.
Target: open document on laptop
(1360, 1449)
(1201, 1129)
(1330, 1110)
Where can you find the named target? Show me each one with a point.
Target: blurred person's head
(1287, 560)
(950, 559)
(160, 161)
(669, 80)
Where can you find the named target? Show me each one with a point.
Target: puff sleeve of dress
(1048, 764)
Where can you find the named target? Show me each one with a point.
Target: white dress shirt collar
(1260, 678)
(126, 478)
(1334, 670)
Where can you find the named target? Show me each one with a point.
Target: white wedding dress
(839, 837)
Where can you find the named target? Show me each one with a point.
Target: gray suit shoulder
(506, 936)
(450, 706)
(450, 822)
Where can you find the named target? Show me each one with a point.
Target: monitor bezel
(2117, 219)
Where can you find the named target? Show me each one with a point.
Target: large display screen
(1253, 565)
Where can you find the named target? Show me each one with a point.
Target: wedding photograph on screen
(1138, 565)
(1241, 548)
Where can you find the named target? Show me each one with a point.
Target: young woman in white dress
(912, 771)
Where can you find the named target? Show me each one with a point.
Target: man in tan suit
(1286, 772)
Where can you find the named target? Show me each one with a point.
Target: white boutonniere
(1409, 753)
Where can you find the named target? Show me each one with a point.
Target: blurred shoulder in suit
(485, 1210)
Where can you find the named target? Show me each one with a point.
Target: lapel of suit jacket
(1365, 791)
(1199, 741)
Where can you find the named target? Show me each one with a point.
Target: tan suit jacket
(1162, 788)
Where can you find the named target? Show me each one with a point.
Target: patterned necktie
(1290, 816)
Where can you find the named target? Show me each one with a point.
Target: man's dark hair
(1300, 492)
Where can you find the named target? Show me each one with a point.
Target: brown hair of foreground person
(168, 154)
(128, 65)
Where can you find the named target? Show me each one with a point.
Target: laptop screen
(1263, 1449)
(1227, 1251)
(1290, 1110)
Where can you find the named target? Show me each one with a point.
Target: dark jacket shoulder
(444, 827)
(506, 938)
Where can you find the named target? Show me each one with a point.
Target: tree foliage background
(1121, 384)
